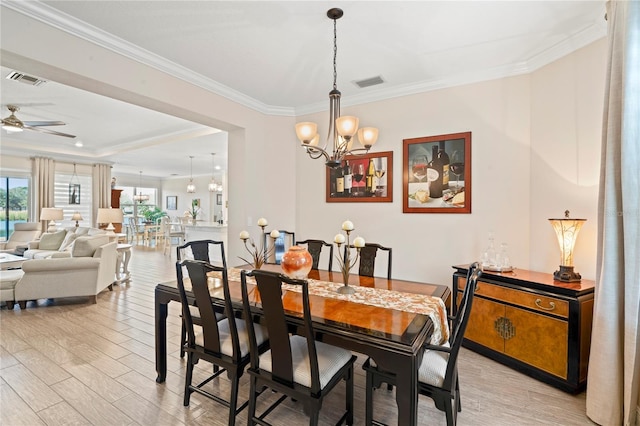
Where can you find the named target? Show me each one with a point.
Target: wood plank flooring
(70, 362)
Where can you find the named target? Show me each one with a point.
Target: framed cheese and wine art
(364, 178)
(436, 174)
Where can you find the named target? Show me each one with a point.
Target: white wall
(567, 99)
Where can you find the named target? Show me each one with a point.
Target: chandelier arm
(316, 152)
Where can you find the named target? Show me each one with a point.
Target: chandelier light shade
(567, 232)
(191, 188)
(342, 129)
(140, 197)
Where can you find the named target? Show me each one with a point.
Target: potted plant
(151, 214)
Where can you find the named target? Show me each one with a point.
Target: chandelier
(140, 197)
(342, 129)
(191, 188)
(213, 186)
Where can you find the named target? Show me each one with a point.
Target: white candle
(339, 239)
(262, 222)
(274, 234)
(347, 225)
(358, 242)
(244, 235)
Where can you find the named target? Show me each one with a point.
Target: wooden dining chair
(280, 245)
(225, 343)
(315, 249)
(367, 262)
(198, 250)
(296, 365)
(438, 372)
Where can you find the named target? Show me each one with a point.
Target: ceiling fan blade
(51, 132)
(44, 123)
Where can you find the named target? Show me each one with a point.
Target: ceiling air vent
(24, 78)
(369, 82)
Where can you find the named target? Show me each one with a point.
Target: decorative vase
(297, 262)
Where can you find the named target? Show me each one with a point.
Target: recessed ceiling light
(79, 144)
(217, 167)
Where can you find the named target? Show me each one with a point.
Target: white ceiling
(276, 57)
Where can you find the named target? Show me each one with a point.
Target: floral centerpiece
(347, 262)
(258, 254)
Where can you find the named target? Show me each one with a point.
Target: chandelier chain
(335, 54)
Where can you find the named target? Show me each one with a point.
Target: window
(14, 203)
(131, 208)
(65, 196)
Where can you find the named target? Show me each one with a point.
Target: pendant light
(140, 197)
(213, 186)
(191, 188)
(342, 129)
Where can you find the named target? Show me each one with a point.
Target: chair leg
(349, 396)
(450, 412)
(233, 399)
(187, 380)
(253, 395)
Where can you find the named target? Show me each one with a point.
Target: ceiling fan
(13, 124)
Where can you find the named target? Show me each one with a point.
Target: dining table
(388, 320)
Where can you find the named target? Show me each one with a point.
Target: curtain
(43, 188)
(101, 188)
(614, 365)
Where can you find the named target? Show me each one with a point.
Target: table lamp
(76, 216)
(51, 214)
(567, 232)
(110, 216)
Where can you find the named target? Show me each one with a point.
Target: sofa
(58, 243)
(23, 233)
(89, 270)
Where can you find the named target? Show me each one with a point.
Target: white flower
(358, 242)
(339, 239)
(347, 225)
(262, 222)
(244, 235)
(274, 234)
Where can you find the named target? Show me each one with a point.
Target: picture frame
(425, 190)
(195, 203)
(74, 193)
(374, 183)
(219, 199)
(172, 202)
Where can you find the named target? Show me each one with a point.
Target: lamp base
(566, 274)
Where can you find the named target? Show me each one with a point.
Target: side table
(122, 265)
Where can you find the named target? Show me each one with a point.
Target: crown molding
(78, 28)
(64, 22)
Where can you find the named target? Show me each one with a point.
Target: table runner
(422, 304)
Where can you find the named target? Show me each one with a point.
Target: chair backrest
(367, 263)
(460, 323)
(280, 245)
(197, 271)
(315, 249)
(200, 250)
(23, 233)
(269, 285)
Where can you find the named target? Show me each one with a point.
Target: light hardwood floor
(68, 362)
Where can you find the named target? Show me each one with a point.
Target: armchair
(22, 234)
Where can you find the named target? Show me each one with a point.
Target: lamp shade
(110, 216)
(51, 213)
(567, 232)
(76, 216)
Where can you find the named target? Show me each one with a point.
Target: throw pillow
(68, 240)
(82, 231)
(86, 246)
(52, 241)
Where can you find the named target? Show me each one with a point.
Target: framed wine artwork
(436, 174)
(366, 178)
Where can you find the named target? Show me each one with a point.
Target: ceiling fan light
(11, 128)
(347, 126)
